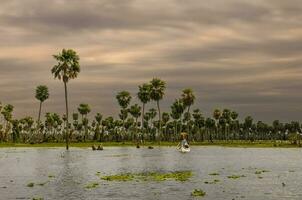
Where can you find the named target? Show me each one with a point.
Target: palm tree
(67, 68)
(144, 96)
(84, 109)
(216, 116)
(7, 114)
(188, 98)
(177, 109)
(41, 94)
(123, 99)
(98, 118)
(157, 93)
(135, 111)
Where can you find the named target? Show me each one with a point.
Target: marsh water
(268, 173)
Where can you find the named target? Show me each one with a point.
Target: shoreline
(238, 144)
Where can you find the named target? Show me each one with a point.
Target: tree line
(135, 123)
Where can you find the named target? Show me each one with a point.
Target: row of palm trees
(153, 125)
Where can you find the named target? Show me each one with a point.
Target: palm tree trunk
(67, 128)
(159, 118)
(143, 114)
(39, 116)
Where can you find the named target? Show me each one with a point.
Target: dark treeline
(135, 123)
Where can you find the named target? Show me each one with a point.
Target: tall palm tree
(157, 93)
(41, 94)
(188, 98)
(67, 68)
(144, 96)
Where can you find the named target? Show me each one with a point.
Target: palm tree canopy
(84, 109)
(98, 117)
(216, 114)
(42, 93)
(135, 110)
(68, 65)
(157, 89)
(123, 99)
(188, 97)
(144, 93)
(177, 109)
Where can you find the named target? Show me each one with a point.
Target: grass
(198, 193)
(242, 144)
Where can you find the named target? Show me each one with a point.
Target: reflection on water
(73, 170)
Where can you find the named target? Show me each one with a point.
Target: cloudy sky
(239, 54)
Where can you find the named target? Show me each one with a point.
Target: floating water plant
(38, 198)
(119, 177)
(42, 184)
(30, 185)
(150, 176)
(214, 174)
(92, 185)
(212, 182)
(198, 193)
(51, 176)
(236, 176)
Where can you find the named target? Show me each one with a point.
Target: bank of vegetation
(136, 123)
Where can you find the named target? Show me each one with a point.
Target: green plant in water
(212, 182)
(92, 185)
(30, 185)
(37, 198)
(198, 193)
(236, 176)
(118, 177)
(150, 176)
(51, 176)
(214, 174)
(42, 184)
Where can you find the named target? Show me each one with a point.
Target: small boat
(184, 149)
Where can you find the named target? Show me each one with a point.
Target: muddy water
(65, 174)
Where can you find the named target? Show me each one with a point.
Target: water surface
(74, 169)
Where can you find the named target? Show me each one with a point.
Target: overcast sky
(239, 54)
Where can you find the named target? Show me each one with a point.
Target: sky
(238, 54)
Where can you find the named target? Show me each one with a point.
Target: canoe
(184, 150)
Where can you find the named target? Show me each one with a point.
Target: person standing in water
(184, 142)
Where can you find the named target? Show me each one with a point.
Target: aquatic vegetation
(214, 174)
(150, 176)
(119, 177)
(236, 176)
(30, 185)
(92, 185)
(198, 193)
(261, 171)
(42, 184)
(51, 176)
(260, 177)
(212, 182)
(291, 171)
(37, 198)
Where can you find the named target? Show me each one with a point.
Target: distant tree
(42, 95)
